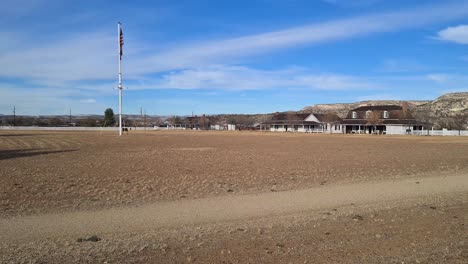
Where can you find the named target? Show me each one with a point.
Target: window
(385, 114)
(354, 114)
(368, 113)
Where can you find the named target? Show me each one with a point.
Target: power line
(14, 115)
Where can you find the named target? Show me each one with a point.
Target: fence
(443, 132)
(301, 130)
(35, 128)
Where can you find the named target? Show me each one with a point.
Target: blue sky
(252, 56)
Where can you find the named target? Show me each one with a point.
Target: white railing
(315, 131)
(443, 132)
(299, 130)
(60, 128)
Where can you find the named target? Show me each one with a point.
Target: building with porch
(298, 122)
(380, 119)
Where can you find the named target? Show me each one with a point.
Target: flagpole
(120, 79)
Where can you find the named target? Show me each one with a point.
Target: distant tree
(175, 120)
(456, 122)
(156, 121)
(460, 121)
(109, 119)
(424, 117)
(291, 120)
(442, 122)
(39, 122)
(89, 122)
(405, 110)
(19, 121)
(374, 119)
(231, 120)
(55, 122)
(204, 122)
(4, 121)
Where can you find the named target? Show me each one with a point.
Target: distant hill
(342, 109)
(449, 104)
(446, 105)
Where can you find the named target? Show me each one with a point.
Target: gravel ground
(58, 176)
(422, 230)
(44, 172)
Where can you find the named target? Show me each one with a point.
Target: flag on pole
(121, 42)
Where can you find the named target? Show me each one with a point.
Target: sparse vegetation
(109, 118)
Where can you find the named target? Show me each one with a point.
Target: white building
(297, 122)
(380, 119)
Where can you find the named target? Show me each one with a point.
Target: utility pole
(145, 119)
(69, 120)
(14, 115)
(121, 42)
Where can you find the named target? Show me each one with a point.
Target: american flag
(121, 42)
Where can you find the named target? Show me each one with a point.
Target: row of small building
(382, 119)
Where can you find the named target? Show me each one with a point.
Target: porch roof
(384, 122)
(291, 122)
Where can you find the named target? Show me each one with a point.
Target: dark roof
(289, 117)
(291, 122)
(384, 122)
(330, 117)
(299, 118)
(378, 108)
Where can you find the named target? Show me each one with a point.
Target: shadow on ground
(18, 135)
(20, 153)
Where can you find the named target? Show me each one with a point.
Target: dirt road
(376, 222)
(193, 212)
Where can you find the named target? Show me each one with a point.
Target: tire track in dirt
(48, 143)
(69, 143)
(14, 143)
(7, 143)
(170, 214)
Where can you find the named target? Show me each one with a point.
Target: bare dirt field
(230, 197)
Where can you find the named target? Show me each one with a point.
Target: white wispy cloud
(438, 77)
(401, 65)
(352, 2)
(78, 57)
(88, 101)
(45, 101)
(91, 55)
(457, 34)
(244, 78)
(217, 51)
(68, 64)
(383, 96)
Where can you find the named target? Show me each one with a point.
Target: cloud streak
(88, 56)
(458, 34)
(243, 78)
(217, 51)
(352, 2)
(56, 71)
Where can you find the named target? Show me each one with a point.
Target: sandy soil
(66, 171)
(207, 197)
(399, 221)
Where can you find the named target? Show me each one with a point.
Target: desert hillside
(445, 105)
(342, 109)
